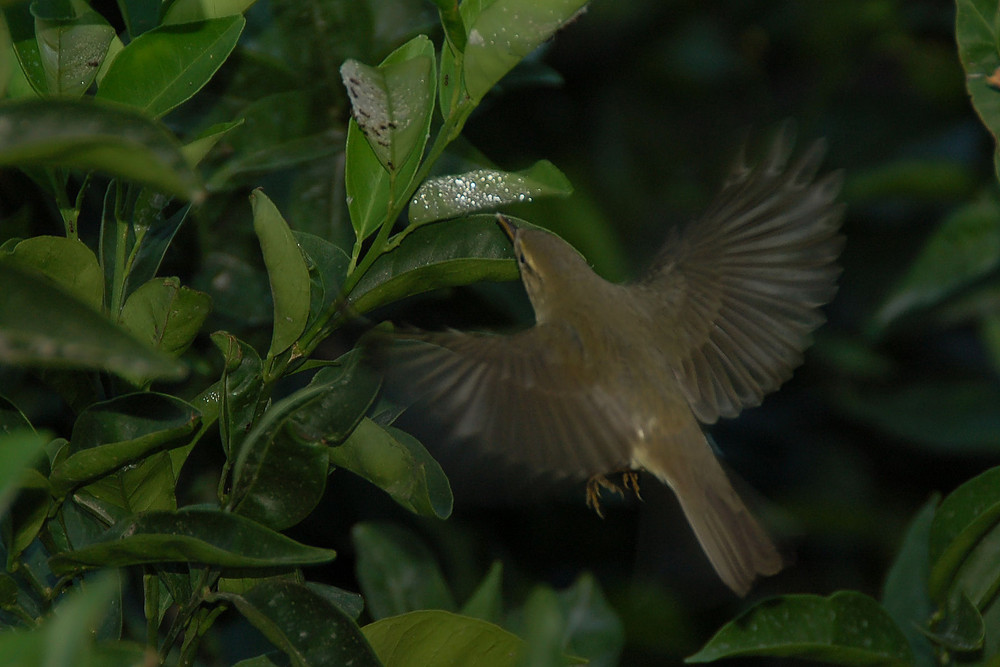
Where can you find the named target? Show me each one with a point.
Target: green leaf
(962, 521)
(397, 463)
(142, 487)
(67, 262)
(960, 627)
(282, 466)
(153, 233)
(27, 514)
(327, 270)
(196, 150)
(66, 637)
(976, 33)
(963, 249)
(442, 639)
(486, 602)
(504, 32)
(40, 325)
(240, 395)
(21, 24)
(165, 314)
(286, 270)
(847, 628)
(304, 624)
(378, 168)
(71, 47)
(116, 432)
(397, 571)
(165, 67)
(189, 11)
(91, 135)
(942, 416)
(392, 103)
(140, 15)
(444, 254)
(451, 196)
(350, 603)
(19, 450)
(905, 595)
(191, 534)
(590, 624)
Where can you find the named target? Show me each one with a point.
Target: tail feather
(735, 543)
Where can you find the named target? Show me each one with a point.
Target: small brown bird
(617, 377)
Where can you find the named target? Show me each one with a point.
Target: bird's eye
(523, 261)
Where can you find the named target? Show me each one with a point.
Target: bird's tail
(735, 543)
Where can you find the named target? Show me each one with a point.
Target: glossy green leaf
(976, 33)
(189, 11)
(90, 135)
(142, 487)
(444, 254)
(397, 463)
(443, 639)
(392, 103)
(67, 262)
(282, 465)
(117, 432)
(192, 534)
(486, 602)
(847, 628)
(165, 67)
(305, 625)
(19, 450)
(240, 395)
(964, 248)
(72, 42)
(153, 233)
(371, 184)
(504, 32)
(21, 24)
(286, 270)
(962, 521)
(905, 595)
(327, 270)
(42, 326)
(165, 314)
(451, 196)
(960, 626)
(352, 604)
(397, 571)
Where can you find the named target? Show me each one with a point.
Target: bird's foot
(630, 482)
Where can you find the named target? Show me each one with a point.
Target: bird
(624, 377)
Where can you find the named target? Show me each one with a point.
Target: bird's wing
(741, 288)
(528, 397)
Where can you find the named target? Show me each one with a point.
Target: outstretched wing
(528, 397)
(742, 287)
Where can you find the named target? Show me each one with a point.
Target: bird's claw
(630, 482)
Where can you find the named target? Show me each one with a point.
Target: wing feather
(741, 288)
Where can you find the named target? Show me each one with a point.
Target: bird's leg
(630, 482)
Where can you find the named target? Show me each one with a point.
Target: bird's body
(616, 377)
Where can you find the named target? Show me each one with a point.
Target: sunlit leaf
(42, 326)
(397, 571)
(451, 196)
(189, 11)
(397, 463)
(90, 135)
(443, 639)
(21, 24)
(71, 46)
(165, 67)
(191, 534)
(444, 254)
(847, 628)
(286, 270)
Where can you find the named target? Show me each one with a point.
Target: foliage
(182, 394)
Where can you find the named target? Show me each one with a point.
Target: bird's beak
(507, 226)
